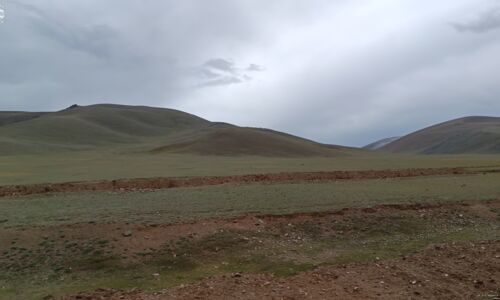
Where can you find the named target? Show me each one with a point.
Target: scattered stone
(478, 284)
(127, 233)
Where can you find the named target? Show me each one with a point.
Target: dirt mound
(161, 183)
(468, 271)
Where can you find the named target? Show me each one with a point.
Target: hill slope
(226, 139)
(464, 135)
(145, 129)
(380, 143)
(17, 116)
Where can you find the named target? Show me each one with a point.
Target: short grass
(280, 250)
(171, 205)
(81, 166)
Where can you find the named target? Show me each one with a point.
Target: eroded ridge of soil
(446, 271)
(161, 183)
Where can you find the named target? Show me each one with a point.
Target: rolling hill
(16, 116)
(460, 136)
(145, 129)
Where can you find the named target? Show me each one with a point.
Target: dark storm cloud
(345, 72)
(488, 20)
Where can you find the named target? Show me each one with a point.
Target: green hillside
(145, 129)
(9, 117)
(226, 139)
(460, 136)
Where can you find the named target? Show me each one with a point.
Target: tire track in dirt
(175, 182)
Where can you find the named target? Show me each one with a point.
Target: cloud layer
(344, 72)
(486, 21)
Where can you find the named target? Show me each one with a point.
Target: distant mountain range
(146, 129)
(461, 136)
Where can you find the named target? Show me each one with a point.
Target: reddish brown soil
(467, 271)
(161, 183)
(147, 237)
(442, 271)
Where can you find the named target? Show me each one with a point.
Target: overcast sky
(336, 71)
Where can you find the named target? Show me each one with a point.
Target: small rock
(127, 233)
(237, 275)
(478, 283)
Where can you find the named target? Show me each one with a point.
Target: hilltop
(459, 136)
(145, 129)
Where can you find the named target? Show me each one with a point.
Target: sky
(335, 71)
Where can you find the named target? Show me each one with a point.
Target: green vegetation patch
(172, 205)
(283, 249)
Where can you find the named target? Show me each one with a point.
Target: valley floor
(445, 251)
(431, 234)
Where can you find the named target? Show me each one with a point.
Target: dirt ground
(160, 183)
(441, 270)
(466, 271)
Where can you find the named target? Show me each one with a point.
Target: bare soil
(465, 271)
(451, 270)
(166, 182)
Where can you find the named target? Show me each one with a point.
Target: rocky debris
(419, 276)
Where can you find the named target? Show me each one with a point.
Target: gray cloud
(487, 21)
(345, 72)
(220, 64)
(218, 71)
(255, 68)
(2, 13)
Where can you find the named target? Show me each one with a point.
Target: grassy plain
(171, 205)
(55, 244)
(82, 166)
